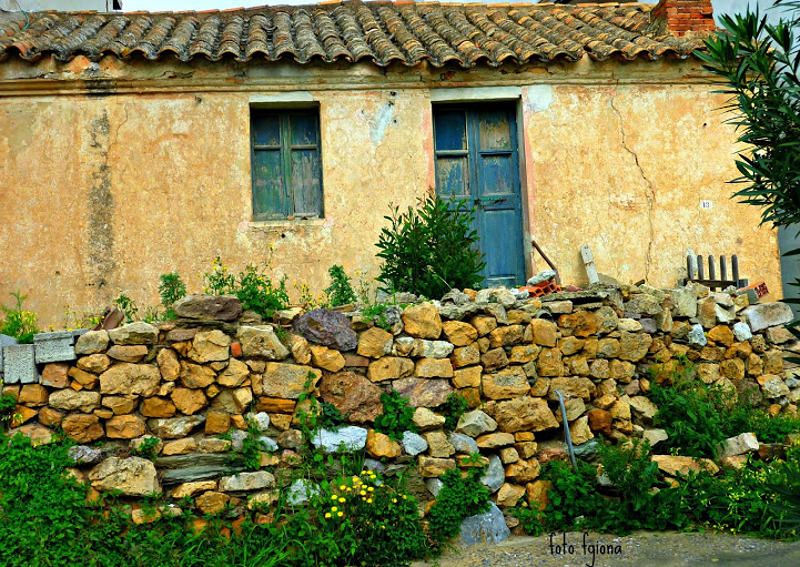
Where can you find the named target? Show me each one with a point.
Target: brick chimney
(683, 16)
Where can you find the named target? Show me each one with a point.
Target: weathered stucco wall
(624, 168)
(106, 184)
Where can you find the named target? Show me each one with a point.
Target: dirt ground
(663, 549)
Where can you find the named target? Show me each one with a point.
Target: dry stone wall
(185, 383)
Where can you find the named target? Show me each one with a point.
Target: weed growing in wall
(171, 289)
(698, 417)
(452, 409)
(7, 405)
(19, 323)
(461, 496)
(397, 416)
(129, 308)
(341, 290)
(147, 448)
(253, 286)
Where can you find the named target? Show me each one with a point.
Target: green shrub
(698, 417)
(430, 249)
(397, 416)
(171, 289)
(760, 498)
(573, 501)
(19, 323)
(459, 497)
(340, 292)
(48, 522)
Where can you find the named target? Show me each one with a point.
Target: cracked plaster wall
(624, 168)
(102, 194)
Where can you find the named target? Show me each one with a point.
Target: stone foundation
(214, 369)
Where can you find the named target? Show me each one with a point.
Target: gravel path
(662, 549)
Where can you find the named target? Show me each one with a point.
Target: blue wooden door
(477, 162)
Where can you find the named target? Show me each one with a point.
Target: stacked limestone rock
(188, 382)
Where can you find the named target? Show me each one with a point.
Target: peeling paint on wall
(381, 121)
(537, 98)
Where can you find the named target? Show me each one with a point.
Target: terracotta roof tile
(379, 32)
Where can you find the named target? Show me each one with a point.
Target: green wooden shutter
(287, 165)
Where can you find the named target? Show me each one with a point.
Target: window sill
(286, 223)
(283, 226)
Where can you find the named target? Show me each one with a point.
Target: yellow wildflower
(340, 514)
(394, 500)
(369, 500)
(327, 514)
(342, 487)
(334, 508)
(334, 497)
(341, 499)
(370, 488)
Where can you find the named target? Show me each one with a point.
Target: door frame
(488, 95)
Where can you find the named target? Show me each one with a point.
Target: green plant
(572, 501)
(430, 249)
(459, 497)
(257, 292)
(147, 449)
(171, 289)
(252, 286)
(377, 314)
(249, 456)
(397, 416)
(530, 518)
(330, 417)
(698, 417)
(452, 409)
(757, 65)
(19, 323)
(128, 307)
(340, 291)
(7, 405)
(691, 412)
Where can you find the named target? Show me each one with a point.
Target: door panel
(476, 160)
(451, 130)
(502, 265)
(452, 175)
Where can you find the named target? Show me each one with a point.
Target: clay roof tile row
(379, 32)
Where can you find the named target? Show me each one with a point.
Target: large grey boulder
(765, 315)
(474, 423)
(495, 474)
(739, 445)
(489, 527)
(414, 444)
(327, 328)
(350, 438)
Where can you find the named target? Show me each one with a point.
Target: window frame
(285, 147)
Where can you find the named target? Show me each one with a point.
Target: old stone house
(137, 144)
